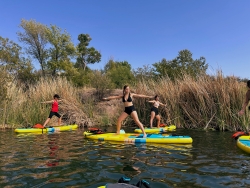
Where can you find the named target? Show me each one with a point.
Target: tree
(182, 64)
(5, 78)
(86, 55)
(144, 73)
(61, 51)
(35, 37)
(12, 61)
(119, 72)
(9, 54)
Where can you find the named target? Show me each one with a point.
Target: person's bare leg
(137, 121)
(59, 121)
(152, 118)
(123, 116)
(158, 118)
(46, 122)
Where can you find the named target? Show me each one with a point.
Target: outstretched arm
(141, 96)
(47, 102)
(151, 101)
(162, 104)
(112, 97)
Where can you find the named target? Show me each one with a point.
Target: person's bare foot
(145, 135)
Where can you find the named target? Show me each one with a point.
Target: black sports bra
(129, 98)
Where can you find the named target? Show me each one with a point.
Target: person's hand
(241, 112)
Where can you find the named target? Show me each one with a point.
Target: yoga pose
(54, 110)
(155, 112)
(246, 100)
(127, 99)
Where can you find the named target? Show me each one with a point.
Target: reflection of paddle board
(157, 130)
(45, 130)
(138, 138)
(243, 143)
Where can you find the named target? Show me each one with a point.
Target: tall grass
(25, 109)
(205, 102)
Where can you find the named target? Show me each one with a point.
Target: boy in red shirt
(54, 110)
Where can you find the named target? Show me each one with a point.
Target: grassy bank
(207, 103)
(23, 108)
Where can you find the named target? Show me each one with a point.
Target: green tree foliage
(102, 83)
(5, 78)
(61, 51)
(34, 35)
(86, 55)
(144, 73)
(182, 64)
(82, 77)
(120, 73)
(9, 54)
(12, 61)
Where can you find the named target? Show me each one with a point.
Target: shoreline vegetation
(194, 99)
(206, 102)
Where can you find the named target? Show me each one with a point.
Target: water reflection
(53, 150)
(69, 160)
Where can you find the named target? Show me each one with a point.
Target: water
(68, 160)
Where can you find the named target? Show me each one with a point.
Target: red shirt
(54, 107)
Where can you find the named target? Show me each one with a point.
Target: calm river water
(66, 159)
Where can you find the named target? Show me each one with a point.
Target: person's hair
(124, 87)
(156, 96)
(56, 96)
(248, 83)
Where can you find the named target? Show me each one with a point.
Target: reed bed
(24, 108)
(207, 102)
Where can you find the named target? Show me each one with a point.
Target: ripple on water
(68, 160)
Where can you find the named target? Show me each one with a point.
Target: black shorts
(129, 109)
(51, 114)
(154, 109)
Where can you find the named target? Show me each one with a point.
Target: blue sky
(143, 32)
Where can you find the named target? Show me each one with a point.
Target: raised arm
(112, 97)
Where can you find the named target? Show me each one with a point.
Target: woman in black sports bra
(155, 112)
(129, 108)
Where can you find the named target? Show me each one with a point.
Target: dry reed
(209, 102)
(25, 109)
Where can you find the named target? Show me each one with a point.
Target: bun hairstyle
(124, 87)
(248, 83)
